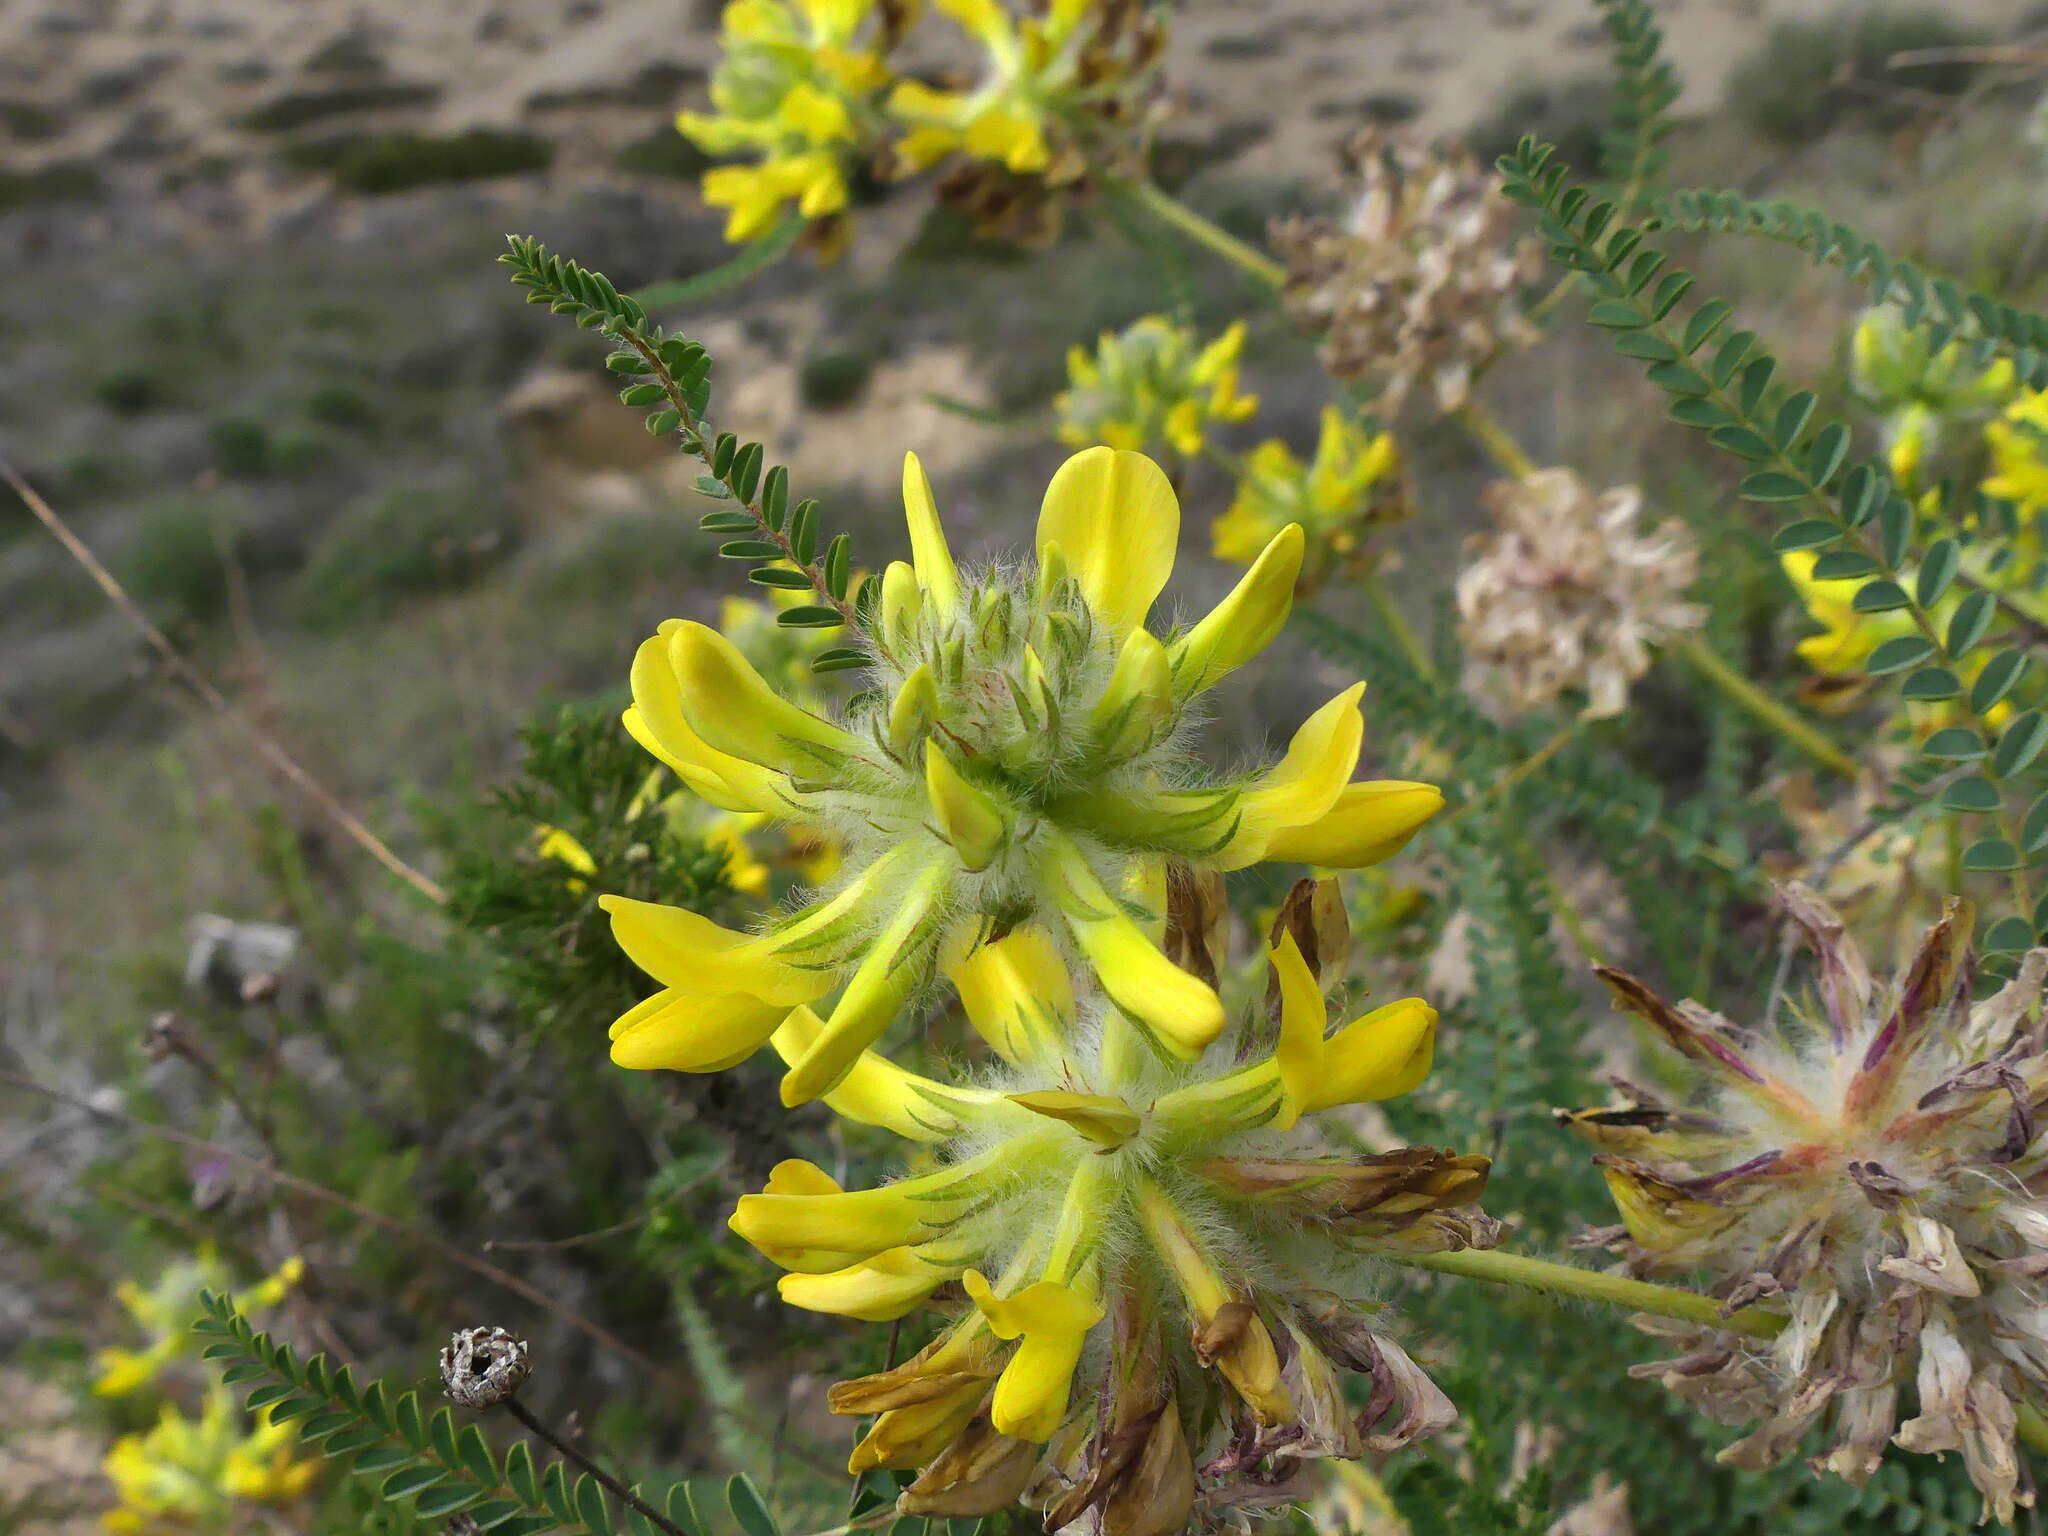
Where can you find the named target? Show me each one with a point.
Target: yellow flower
(1351, 486)
(1118, 1218)
(165, 1311)
(1151, 384)
(1049, 78)
(797, 90)
(1022, 749)
(187, 1472)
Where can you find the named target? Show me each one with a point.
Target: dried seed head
(481, 1367)
(161, 1036)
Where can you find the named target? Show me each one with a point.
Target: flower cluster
(1018, 764)
(1869, 1174)
(165, 1312)
(798, 87)
(1568, 594)
(1921, 394)
(1160, 1229)
(1350, 487)
(1422, 280)
(1153, 384)
(187, 1474)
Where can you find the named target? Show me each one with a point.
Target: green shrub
(830, 380)
(295, 109)
(336, 404)
(663, 152)
(398, 544)
(241, 446)
(1810, 73)
(129, 391)
(176, 561)
(395, 162)
(64, 182)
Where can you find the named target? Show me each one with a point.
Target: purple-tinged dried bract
(1873, 1174)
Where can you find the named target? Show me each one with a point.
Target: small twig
(557, 1244)
(537, 1426)
(191, 677)
(356, 1208)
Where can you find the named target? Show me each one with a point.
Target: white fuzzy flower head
(1869, 1174)
(1569, 595)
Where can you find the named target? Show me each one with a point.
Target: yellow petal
(732, 707)
(1114, 515)
(1303, 1019)
(656, 721)
(875, 1091)
(1053, 1321)
(829, 1231)
(933, 561)
(1302, 787)
(911, 713)
(1244, 623)
(678, 1032)
(902, 606)
(1372, 820)
(877, 1290)
(1017, 994)
(1106, 1121)
(689, 952)
(1183, 1013)
(1136, 705)
(891, 969)
(964, 815)
(795, 1176)
(1382, 1055)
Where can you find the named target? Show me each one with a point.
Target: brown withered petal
(1314, 914)
(981, 1473)
(1845, 981)
(1197, 918)
(1934, 986)
(1678, 1032)
(1155, 1494)
(1351, 1190)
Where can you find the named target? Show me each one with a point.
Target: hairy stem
(1495, 439)
(1183, 220)
(1389, 613)
(1553, 1279)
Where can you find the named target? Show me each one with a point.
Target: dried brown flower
(1568, 594)
(1422, 280)
(481, 1367)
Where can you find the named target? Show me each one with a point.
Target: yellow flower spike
(743, 872)
(656, 721)
(688, 951)
(1218, 361)
(1017, 994)
(1137, 704)
(1107, 1121)
(890, 971)
(878, 1092)
(877, 1290)
(1053, 1321)
(1116, 519)
(733, 708)
(1229, 1334)
(965, 816)
(929, 555)
(1245, 622)
(1373, 820)
(902, 606)
(553, 843)
(911, 715)
(1304, 785)
(1184, 427)
(1380, 1055)
(682, 1032)
(1183, 1013)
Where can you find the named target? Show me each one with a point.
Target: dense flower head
(1061, 86)
(1350, 487)
(2018, 440)
(1922, 394)
(186, 1474)
(1870, 1171)
(1020, 759)
(1151, 385)
(165, 1311)
(1131, 1248)
(1421, 282)
(798, 88)
(1569, 594)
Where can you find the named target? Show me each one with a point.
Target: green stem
(2033, 1428)
(1553, 1279)
(1390, 614)
(1522, 770)
(1490, 435)
(1179, 217)
(1766, 709)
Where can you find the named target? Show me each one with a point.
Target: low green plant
(399, 544)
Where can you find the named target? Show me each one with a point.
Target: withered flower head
(1872, 1175)
(1421, 282)
(1568, 594)
(481, 1367)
